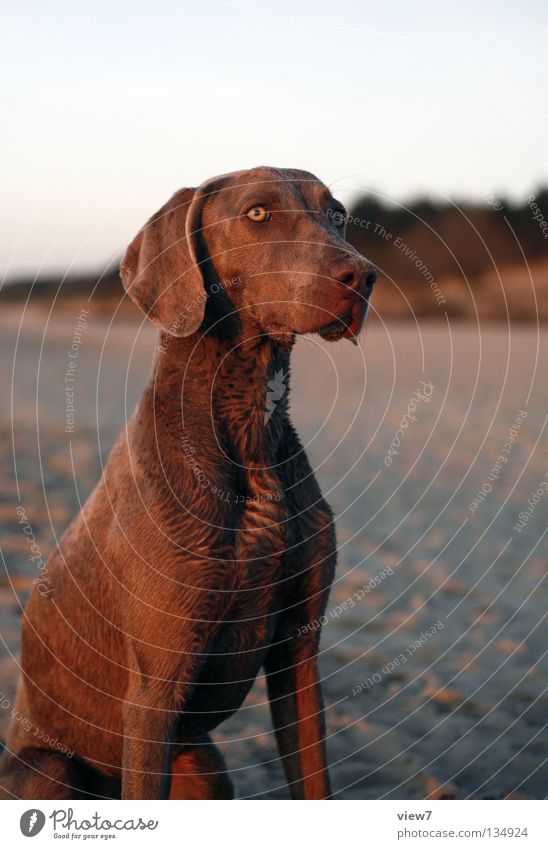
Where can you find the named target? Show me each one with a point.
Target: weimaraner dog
(207, 546)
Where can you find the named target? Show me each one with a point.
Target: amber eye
(258, 213)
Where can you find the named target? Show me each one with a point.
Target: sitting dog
(207, 546)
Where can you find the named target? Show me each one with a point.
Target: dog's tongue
(355, 323)
(351, 331)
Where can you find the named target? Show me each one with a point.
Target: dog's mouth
(346, 326)
(336, 329)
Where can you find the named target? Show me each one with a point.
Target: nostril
(345, 276)
(370, 279)
(347, 279)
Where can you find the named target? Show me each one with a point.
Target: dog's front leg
(164, 665)
(296, 706)
(150, 717)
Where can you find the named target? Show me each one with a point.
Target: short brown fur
(207, 545)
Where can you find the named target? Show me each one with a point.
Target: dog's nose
(355, 278)
(370, 277)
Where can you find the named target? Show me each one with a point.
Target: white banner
(238, 825)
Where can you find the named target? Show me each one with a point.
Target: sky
(109, 107)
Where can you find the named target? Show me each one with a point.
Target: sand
(434, 649)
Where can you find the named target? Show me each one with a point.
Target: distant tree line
(449, 239)
(460, 259)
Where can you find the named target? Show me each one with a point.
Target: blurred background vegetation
(467, 260)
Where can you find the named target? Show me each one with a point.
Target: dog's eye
(338, 218)
(258, 213)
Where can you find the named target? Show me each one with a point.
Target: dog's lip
(347, 325)
(337, 328)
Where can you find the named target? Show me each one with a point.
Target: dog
(207, 545)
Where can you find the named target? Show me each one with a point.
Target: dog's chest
(258, 568)
(241, 643)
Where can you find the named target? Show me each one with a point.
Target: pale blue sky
(111, 106)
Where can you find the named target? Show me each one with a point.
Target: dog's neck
(234, 391)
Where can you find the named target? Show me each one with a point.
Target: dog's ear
(161, 268)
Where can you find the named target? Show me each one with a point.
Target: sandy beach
(429, 444)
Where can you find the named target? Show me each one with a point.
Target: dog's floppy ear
(160, 269)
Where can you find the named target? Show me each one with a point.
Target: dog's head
(265, 248)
